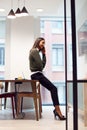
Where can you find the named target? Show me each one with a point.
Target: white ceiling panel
(50, 7)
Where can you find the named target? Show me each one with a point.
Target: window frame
(58, 67)
(56, 29)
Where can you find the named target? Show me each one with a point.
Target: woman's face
(42, 43)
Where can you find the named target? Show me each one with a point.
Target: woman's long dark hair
(37, 41)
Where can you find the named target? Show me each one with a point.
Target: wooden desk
(34, 93)
(7, 81)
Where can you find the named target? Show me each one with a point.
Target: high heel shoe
(58, 116)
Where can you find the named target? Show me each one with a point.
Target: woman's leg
(47, 84)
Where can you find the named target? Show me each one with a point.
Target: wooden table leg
(6, 90)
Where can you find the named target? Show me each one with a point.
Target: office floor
(47, 122)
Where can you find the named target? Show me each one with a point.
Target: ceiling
(50, 7)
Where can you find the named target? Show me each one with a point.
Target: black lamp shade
(18, 12)
(24, 12)
(11, 14)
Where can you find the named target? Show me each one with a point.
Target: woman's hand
(43, 50)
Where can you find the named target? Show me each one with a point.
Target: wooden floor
(47, 122)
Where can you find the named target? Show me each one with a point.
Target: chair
(8, 95)
(35, 94)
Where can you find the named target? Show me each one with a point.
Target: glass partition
(78, 107)
(81, 42)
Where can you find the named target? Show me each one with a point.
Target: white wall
(20, 36)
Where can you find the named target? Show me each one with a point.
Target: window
(42, 26)
(69, 27)
(57, 27)
(2, 54)
(58, 57)
(83, 47)
(2, 28)
(70, 57)
(82, 39)
(2, 46)
(2, 41)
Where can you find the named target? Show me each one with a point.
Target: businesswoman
(37, 60)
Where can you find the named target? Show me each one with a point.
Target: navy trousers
(47, 84)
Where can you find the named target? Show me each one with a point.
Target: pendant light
(11, 14)
(18, 12)
(24, 11)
